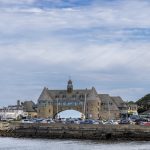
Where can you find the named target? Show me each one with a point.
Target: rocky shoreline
(74, 131)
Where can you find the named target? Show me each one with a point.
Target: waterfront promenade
(81, 131)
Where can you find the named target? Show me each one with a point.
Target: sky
(100, 43)
(70, 114)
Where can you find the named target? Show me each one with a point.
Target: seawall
(83, 131)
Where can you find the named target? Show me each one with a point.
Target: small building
(30, 109)
(132, 109)
(145, 113)
(23, 109)
(11, 112)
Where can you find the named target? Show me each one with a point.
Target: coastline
(75, 131)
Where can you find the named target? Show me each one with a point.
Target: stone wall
(45, 111)
(93, 109)
(83, 131)
(107, 115)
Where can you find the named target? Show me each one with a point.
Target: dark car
(87, 122)
(140, 120)
(124, 121)
(134, 117)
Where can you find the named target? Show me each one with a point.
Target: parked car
(145, 123)
(134, 117)
(111, 122)
(87, 121)
(26, 121)
(124, 121)
(140, 120)
(47, 121)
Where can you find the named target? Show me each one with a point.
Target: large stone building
(86, 101)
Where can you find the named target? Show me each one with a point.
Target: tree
(143, 103)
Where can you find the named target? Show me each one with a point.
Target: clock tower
(69, 87)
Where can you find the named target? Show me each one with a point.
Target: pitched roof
(119, 102)
(63, 94)
(107, 102)
(146, 112)
(28, 106)
(45, 95)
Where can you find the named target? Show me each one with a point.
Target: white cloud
(129, 93)
(17, 1)
(35, 36)
(36, 19)
(123, 16)
(90, 57)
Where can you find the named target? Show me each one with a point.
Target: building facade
(30, 109)
(26, 109)
(132, 109)
(86, 101)
(11, 112)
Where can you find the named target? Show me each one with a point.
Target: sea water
(48, 144)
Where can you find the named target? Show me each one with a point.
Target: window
(73, 96)
(81, 96)
(102, 103)
(64, 96)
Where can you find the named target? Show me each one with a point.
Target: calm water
(39, 144)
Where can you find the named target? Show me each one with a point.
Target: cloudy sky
(100, 43)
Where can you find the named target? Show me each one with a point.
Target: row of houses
(18, 111)
(28, 109)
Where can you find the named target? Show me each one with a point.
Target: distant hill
(144, 103)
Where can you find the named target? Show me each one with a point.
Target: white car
(26, 121)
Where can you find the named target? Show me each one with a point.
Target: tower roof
(69, 81)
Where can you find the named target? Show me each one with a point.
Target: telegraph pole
(85, 101)
(108, 111)
(57, 108)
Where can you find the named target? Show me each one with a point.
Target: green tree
(143, 103)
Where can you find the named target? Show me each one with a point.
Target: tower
(69, 87)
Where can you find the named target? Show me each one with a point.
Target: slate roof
(79, 94)
(146, 112)
(28, 106)
(119, 102)
(107, 102)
